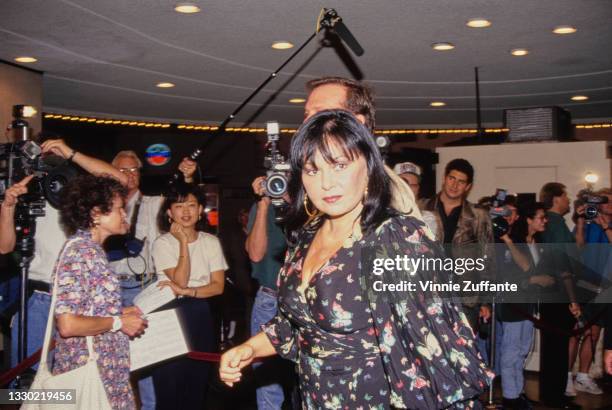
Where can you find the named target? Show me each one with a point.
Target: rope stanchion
(205, 356)
(9, 375)
(213, 357)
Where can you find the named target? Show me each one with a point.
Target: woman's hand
(177, 231)
(133, 324)
(178, 291)
(233, 361)
(542, 280)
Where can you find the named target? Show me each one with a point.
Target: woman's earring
(170, 220)
(308, 212)
(365, 194)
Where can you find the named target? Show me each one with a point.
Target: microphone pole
(330, 20)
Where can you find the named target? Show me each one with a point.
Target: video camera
(277, 170)
(23, 158)
(592, 201)
(498, 212)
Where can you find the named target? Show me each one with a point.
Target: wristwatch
(117, 324)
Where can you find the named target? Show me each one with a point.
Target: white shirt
(205, 257)
(146, 228)
(535, 252)
(48, 242)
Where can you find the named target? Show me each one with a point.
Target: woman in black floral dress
(357, 348)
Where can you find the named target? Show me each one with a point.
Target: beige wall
(524, 168)
(19, 86)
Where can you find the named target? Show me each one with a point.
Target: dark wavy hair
(316, 135)
(521, 228)
(84, 193)
(179, 193)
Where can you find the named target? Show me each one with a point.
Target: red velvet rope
(8, 376)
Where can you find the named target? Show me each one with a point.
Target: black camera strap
(134, 218)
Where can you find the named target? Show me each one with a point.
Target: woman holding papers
(192, 264)
(88, 301)
(357, 348)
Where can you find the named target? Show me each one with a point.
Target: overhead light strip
(208, 127)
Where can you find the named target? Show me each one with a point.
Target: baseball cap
(407, 167)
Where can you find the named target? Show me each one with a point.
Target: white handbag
(90, 392)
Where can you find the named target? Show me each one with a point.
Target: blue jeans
(516, 343)
(38, 313)
(270, 396)
(129, 289)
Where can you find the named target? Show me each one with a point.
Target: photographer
(266, 246)
(519, 263)
(555, 346)
(7, 214)
(48, 241)
(593, 237)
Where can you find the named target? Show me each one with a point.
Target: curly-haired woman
(88, 292)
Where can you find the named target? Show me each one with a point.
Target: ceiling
(104, 57)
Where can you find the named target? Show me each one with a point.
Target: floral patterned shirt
(359, 350)
(88, 287)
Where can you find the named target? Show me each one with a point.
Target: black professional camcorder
(592, 201)
(277, 170)
(498, 212)
(22, 158)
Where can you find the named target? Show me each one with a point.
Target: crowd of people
(336, 343)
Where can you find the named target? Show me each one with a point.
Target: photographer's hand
(259, 190)
(7, 214)
(11, 194)
(580, 224)
(57, 147)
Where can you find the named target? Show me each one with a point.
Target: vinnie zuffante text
(408, 268)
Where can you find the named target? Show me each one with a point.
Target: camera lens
(276, 185)
(590, 212)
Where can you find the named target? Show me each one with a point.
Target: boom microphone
(333, 21)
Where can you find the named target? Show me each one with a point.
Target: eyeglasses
(132, 170)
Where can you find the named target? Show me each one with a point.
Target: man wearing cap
(412, 175)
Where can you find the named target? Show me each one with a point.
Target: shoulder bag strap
(51, 319)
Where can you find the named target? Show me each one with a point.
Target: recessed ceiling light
(580, 98)
(437, 104)
(478, 23)
(519, 52)
(165, 85)
(25, 59)
(282, 45)
(564, 30)
(187, 8)
(442, 46)
(297, 100)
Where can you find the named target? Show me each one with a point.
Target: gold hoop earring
(365, 194)
(308, 212)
